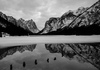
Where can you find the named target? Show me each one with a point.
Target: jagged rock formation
(84, 21)
(89, 17)
(89, 52)
(29, 24)
(52, 25)
(10, 51)
(10, 25)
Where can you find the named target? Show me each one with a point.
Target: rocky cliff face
(10, 25)
(81, 52)
(53, 24)
(75, 22)
(32, 26)
(83, 21)
(90, 16)
(10, 51)
(29, 25)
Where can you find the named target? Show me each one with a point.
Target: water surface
(58, 56)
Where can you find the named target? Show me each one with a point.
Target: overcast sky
(40, 10)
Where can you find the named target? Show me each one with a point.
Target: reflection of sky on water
(41, 54)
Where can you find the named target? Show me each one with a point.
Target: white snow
(24, 40)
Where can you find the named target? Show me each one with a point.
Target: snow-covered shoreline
(24, 40)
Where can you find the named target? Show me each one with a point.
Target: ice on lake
(11, 41)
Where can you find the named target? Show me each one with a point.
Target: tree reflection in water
(83, 52)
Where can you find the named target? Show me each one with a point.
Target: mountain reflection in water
(82, 52)
(10, 51)
(70, 56)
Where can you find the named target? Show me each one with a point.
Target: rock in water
(11, 67)
(35, 62)
(24, 64)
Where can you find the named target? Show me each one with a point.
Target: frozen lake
(11, 41)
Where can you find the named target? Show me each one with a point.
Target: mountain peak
(21, 19)
(9, 23)
(81, 19)
(31, 20)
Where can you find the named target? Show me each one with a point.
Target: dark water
(63, 56)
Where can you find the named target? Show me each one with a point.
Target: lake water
(51, 56)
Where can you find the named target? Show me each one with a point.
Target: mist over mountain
(83, 21)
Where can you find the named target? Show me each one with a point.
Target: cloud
(16, 14)
(36, 16)
(40, 10)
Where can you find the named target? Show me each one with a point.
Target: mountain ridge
(83, 21)
(9, 23)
